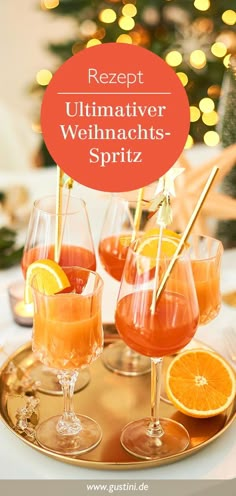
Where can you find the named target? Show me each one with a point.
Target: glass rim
(77, 295)
(54, 214)
(184, 252)
(209, 257)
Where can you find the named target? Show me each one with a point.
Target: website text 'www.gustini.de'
(112, 488)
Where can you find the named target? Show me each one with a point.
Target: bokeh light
(204, 24)
(126, 23)
(194, 113)
(197, 59)
(43, 77)
(210, 118)
(36, 127)
(214, 91)
(202, 4)
(107, 15)
(93, 42)
(49, 4)
(173, 58)
(124, 38)
(211, 138)
(219, 49)
(226, 60)
(183, 78)
(151, 15)
(88, 28)
(229, 17)
(206, 105)
(189, 142)
(129, 10)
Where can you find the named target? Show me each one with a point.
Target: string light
(229, 17)
(194, 113)
(124, 38)
(189, 142)
(210, 118)
(126, 23)
(129, 10)
(107, 15)
(136, 37)
(197, 59)
(214, 91)
(88, 28)
(49, 4)
(174, 58)
(219, 49)
(211, 138)
(93, 42)
(202, 4)
(183, 78)
(206, 105)
(226, 60)
(43, 77)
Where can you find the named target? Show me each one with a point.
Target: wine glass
(68, 335)
(117, 232)
(156, 328)
(75, 248)
(206, 256)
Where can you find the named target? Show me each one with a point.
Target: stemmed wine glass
(156, 328)
(68, 335)
(117, 232)
(75, 249)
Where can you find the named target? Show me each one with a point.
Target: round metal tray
(113, 401)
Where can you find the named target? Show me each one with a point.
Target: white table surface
(19, 461)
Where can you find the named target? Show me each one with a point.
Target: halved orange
(200, 383)
(51, 278)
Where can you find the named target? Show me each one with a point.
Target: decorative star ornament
(189, 186)
(166, 183)
(161, 204)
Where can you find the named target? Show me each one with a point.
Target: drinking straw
(138, 213)
(58, 238)
(188, 228)
(156, 281)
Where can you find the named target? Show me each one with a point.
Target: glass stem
(68, 423)
(154, 428)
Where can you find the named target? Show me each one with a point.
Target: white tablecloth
(19, 461)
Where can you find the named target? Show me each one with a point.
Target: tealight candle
(22, 313)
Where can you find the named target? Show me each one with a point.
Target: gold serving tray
(113, 401)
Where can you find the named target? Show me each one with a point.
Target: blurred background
(197, 38)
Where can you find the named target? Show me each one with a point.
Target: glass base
(87, 438)
(48, 381)
(135, 440)
(120, 359)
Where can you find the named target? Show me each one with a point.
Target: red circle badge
(115, 117)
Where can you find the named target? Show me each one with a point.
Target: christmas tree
(227, 130)
(195, 37)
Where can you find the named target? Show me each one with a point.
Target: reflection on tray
(119, 400)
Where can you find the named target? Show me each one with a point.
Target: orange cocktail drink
(67, 331)
(67, 336)
(112, 251)
(170, 328)
(206, 254)
(155, 327)
(70, 256)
